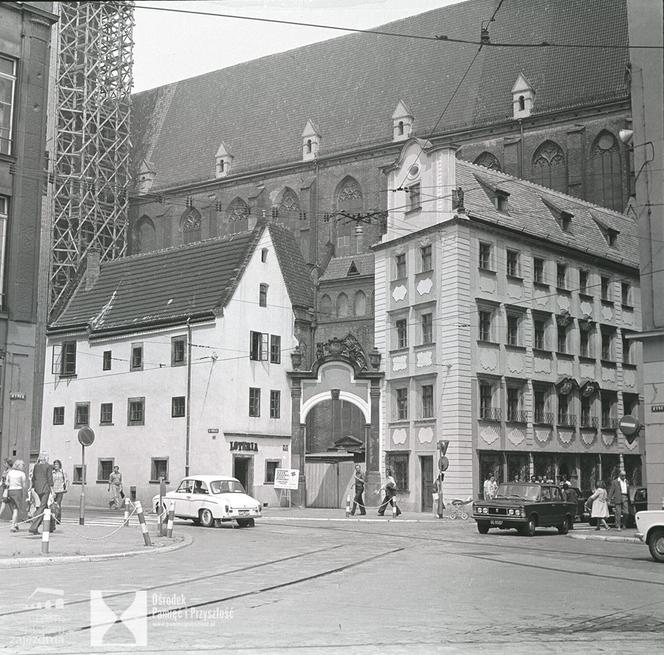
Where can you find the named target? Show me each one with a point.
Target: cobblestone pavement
(346, 586)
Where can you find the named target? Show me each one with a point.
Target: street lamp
(374, 358)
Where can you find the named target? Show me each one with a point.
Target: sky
(172, 46)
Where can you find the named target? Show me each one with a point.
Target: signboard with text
(286, 479)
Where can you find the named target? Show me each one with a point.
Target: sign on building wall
(286, 479)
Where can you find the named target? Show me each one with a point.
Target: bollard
(171, 516)
(347, 506)
(46, 531)
(126, 512)
(141, 520)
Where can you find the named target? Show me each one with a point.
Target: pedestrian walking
(390, 488)
(619, 498)
(438, 500)
(490, 487)
(4, 489)
(358, 499)
(42, 484)
(17, 485)
(600, 506)
(115, 489)
(60, 488)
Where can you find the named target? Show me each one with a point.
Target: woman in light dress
(600, 507)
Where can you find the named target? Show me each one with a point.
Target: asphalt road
(345, 587)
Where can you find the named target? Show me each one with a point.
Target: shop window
(398, 462)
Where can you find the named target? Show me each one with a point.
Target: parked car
(525, 506)
(638, 502)
(210, 500)
(650, 530)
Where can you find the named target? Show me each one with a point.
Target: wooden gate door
(328, 483)
(426, 468)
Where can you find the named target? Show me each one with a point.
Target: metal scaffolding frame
(91, 171)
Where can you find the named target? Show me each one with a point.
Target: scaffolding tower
(91, 161)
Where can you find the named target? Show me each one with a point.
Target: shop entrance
(426, 469)
(243, 470)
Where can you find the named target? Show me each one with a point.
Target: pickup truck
(650, 530)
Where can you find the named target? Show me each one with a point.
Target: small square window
(82, 415)
(178, 351)
(275, 349)
(136, 411)
(425, 252)
(262, 295)
(106, 360)
(106, 413)
(254, 402)
(275, 403)
(400, 263)
(178, 405)
(159, 469)
(58, 416)
(136, 363)
(271, 466)
(104, 469)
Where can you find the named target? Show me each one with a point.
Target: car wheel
(482, 527)
(246, 523)
(656, 544)
(528, 530)
(563, 528)
(206, 518)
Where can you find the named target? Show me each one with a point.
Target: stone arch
(360, 303)
(351, 398)
(237, 216)
(343, 310)
(549, 167)
(144, 235)
(350, 200)
(605, 168)
(190, 225)
(488, 160)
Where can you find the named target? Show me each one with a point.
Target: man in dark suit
(42, 483)
(619, 498)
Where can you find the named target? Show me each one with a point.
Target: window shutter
(265, 349)
(56, 362)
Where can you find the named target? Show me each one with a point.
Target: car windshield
(522, 491)
(226, 487)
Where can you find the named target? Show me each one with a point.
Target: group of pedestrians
(45, 488)
(617, 497)
(389, 487)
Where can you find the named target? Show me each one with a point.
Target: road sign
(629, 425)
(86, 436)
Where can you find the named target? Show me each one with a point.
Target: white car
(650, 530)
(209, 500)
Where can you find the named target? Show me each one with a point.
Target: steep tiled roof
(339, 266)
(168, 285)
(529, 211)
(349, 86)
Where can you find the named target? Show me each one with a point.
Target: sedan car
(526, 507)
(210, 500)
(650, 526)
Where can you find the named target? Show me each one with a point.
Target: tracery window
(606, 176)
(288, 210)
(191, 226)
(144, 235)
(488, 160)
(237, 215)
(549, 168)
(350, 201)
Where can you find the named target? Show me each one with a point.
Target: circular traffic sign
(86, 436)
(629, 425)
(443, 463)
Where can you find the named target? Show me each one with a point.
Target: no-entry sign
(629, 426)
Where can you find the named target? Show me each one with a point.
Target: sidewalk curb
(597, 537)
(353, 519)
(22, 562)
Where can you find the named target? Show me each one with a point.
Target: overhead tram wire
(440, 37)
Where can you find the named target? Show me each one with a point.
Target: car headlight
(510, 512)
(485, 510)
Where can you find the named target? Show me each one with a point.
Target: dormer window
(523, 97)
(611, 236)
(402, 122)
(500, 200)
(608, 232)
(311, 140)
(222, 161)
(562, 216)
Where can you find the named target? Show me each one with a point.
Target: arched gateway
(341, 372)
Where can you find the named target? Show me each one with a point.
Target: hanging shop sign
(250, 446)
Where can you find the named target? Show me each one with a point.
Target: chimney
(92, 269)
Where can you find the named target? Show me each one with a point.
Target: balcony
(517, 416)
(588, 421)
(490, 414)
(543, 418)
(566, 420)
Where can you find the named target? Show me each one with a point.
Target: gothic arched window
(360, 304)
(549, 167)
(606, 176)
(348, 200)
(190, 226)
(288, 210)
(144, 235)
(488, 160)
(325, 306)
(237, 215)
(342, 305)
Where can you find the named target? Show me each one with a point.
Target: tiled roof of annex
(167, 286)
(349, 86)
(535, 210)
